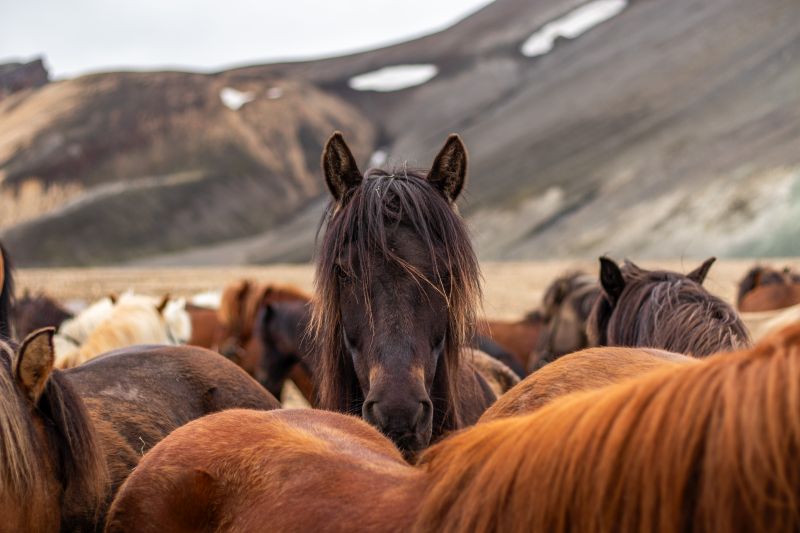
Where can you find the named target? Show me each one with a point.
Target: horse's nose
(398, 420)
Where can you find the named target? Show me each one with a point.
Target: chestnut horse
(519, 338)
(706, 446)
(397, 288)
(661, 309)
(766, 289)
(68, 439)
(587, 369)
(206, 327)
(36, 312)
(566, 306)
(6, 294)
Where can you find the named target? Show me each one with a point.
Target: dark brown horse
(36, 312)
(6, 294)
(666, 310)
(704, 446)
(397, 288)
(68, 439)
(287, 353)
(766, 289)
(566, 306)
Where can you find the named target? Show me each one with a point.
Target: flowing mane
(667, 310)
(359, 225)
(709, 446)
(80, 467)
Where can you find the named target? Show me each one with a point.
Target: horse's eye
(439, 348)
(342, 275)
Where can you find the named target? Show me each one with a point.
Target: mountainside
(670, 129)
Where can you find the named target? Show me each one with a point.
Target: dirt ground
(510, 288)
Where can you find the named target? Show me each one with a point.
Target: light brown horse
(706, 446)
(68, 439)
(587, 369)
(766, 289)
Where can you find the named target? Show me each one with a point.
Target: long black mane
(361, 222)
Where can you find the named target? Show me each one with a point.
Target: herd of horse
(634, 400)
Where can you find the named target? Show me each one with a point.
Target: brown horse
(519, 338)
(587, 369)
(706, 446)
(6, 293)
(68, 439)
(238, 338)
(36, 312)
(566, 306)
(206, 327)
(661, 309)
(766, 289)
(397, 288)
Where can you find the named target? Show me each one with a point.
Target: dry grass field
(510, 288)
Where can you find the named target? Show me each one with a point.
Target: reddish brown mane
(709, 446)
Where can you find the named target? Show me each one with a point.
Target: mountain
(670, 129)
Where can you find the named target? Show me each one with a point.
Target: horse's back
(770, 298)
(172, 376)
(587, 369)
(280, 464)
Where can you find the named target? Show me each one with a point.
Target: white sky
(79, 36)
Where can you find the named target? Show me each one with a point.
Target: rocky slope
(669, 130)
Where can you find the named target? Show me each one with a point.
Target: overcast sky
(79, 36)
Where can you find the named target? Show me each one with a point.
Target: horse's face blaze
(394, 333)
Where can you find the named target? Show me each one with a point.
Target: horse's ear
(449, 169)
(113, 297)
(611, 279)
(698, 275)
(34, 362)
(339, 167)
(162, 304)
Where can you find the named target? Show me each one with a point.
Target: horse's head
(397, 283)
(662, 309)
(48, 451)
(566, 306)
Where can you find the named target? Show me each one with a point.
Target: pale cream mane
(134, 319)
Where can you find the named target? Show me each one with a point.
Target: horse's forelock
(357, 227)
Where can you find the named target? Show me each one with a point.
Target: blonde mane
(135, 319)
